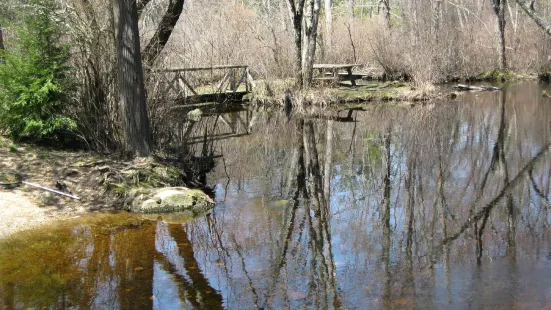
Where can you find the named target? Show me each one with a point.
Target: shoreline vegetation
(374, 89)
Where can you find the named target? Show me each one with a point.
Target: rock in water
(171, 199)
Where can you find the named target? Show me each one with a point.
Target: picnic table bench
(337, 72)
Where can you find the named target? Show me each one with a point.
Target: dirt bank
(101, 182)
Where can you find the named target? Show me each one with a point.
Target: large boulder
(171, 199)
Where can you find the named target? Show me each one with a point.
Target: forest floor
(23, 207)
(103, 183)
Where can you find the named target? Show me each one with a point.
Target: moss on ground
(498, 76)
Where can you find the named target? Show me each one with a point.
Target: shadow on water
(435, 206)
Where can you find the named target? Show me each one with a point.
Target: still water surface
(444, 205)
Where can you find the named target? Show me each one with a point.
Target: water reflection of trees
(426, 187)
(105, 266)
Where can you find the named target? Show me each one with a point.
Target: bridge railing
(178, 83)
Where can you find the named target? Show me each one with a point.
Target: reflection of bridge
(238, 122)
(189, 86)
(229, 125)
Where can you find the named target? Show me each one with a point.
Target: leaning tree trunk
(499, 10)
(542, 23)
(311, 16)
(163, 32)
(133, 110)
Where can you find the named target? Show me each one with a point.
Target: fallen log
(464, 87)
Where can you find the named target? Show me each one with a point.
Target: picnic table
(337, 72)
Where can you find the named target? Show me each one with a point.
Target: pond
(437, 205)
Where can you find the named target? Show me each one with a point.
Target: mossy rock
(170, 199)
(10, 179)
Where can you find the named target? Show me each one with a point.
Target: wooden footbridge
(196, 86)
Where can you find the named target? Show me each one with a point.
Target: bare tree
(386, 4)
(296, 11)
(311, 20)
(328, 23)
(351, 10)
(134, 118)
(305, 17)
(163, 32)
(529, 9)
(499, 9)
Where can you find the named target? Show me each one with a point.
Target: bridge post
(233, 79)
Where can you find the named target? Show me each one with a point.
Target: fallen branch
(50, 190)
(476, 88)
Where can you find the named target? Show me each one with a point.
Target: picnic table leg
(352, 81)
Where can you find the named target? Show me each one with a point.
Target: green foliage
(33, 78)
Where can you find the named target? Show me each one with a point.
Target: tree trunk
(163, 32)
(499, 10)
(542, 23)
(437, 18)
(351, 10)
(328, 25)
(311, 16)
(386, 4)
(296, 11)
(1, 44)
(133, 110)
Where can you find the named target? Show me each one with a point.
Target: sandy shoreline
(19, 211)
